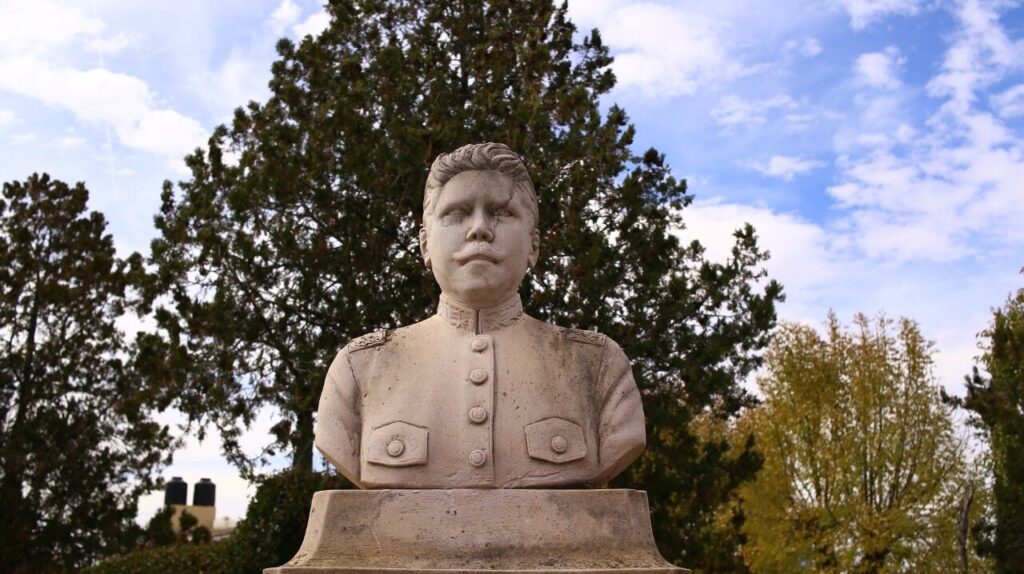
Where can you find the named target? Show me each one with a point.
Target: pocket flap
(555, 440)
(397, 444)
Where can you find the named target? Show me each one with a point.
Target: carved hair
(486, 156)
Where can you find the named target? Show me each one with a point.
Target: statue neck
(460, 316)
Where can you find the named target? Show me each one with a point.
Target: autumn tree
(863, 470)
(297, 231)
(77, 446)
(998, 403)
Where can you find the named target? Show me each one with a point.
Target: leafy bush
(275, 521)
(213, 558)
(269, 535)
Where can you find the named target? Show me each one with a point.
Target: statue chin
(480, 291)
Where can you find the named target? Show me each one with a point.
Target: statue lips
(478, 251)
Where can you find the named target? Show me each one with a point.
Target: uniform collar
(460, 316)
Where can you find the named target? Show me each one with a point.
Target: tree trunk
(302, 441)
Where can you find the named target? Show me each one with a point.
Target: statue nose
(480, 228)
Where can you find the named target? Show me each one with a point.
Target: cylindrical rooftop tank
(176, 491)
(204, 493)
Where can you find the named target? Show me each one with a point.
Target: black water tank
(204, 493)
(176, 491)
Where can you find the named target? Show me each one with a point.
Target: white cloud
(805, 257)
(43, 25)
(785, 167)
(863, 13)
(980, 55)
(1010, 103)
(880, 69)
(663, 50)
(285, 15)
(952, 190)
(734, 110)
(8, 118)
(102, 96)
(807, 47)
(110, 45)
(240, 79)
(313, 25)
(70, 142)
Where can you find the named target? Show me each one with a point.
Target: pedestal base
(475, 531)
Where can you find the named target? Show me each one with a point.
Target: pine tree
(998, 403)
(77, 446)
(296, 232)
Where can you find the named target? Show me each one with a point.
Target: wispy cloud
(313, 25)
(863, 13)
(284, 16)
(806, 47)
(880, 69)
(953, 189)
(785, 167)
(735, 110)
(8, 118)
(1010, 103)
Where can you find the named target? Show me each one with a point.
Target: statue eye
(454, 215)
(502, 212)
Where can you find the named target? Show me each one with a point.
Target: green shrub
(275, 521)
(179, 558)
(269, 535)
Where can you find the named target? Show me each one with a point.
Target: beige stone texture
(480, 399)
(468, 408)
(204, 515)
(472, 530)
(480, 395)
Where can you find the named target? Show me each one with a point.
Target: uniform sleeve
(339, 423)
(622, 431)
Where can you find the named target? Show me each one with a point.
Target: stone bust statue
(480, 395)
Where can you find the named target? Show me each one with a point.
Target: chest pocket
(555, 440)
(397, 444)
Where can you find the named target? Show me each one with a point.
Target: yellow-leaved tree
(863, 468)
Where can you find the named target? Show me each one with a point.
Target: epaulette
(369, 340)
(581, 336)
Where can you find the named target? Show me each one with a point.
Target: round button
(477, 458)
(478, 344)
(478, 414)
(478, 376)
(396, 447)
(559, 444)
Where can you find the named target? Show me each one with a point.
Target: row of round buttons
(478, 415)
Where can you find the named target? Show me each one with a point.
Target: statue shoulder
(585, 337)
(368, 341)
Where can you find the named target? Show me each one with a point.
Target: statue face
(480, 239)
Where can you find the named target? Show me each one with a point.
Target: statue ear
(534, 247)
(423, 247)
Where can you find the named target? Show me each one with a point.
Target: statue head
(480, 216)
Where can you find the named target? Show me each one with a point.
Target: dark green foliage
(77, 446)
(159, 531)
(275, 521)
(998, 402)
(213, 558)
(270, 534)
(306, 237)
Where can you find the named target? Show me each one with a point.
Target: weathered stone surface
(479, 402)
(476, 530)
(480, 395)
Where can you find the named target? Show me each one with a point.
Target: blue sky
(876, 145)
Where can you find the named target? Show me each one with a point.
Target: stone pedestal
(469, 531)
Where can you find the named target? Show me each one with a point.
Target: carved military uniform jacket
(480, 399)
